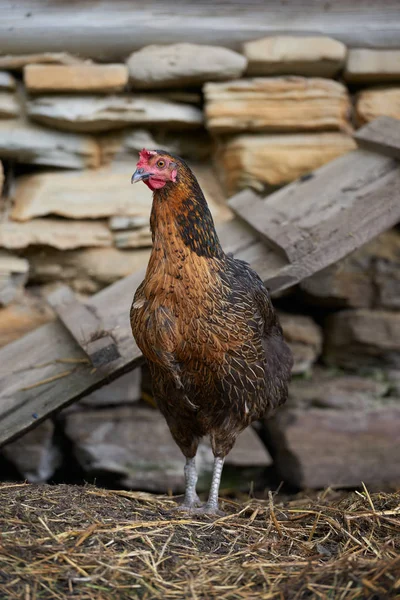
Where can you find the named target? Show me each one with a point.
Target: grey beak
(139, 175)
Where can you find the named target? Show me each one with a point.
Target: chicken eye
(160, 164)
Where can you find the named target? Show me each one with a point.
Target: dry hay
(91, 544)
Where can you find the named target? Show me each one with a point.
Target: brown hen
(205, 323)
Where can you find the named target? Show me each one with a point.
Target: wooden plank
(300, 218)
(376, 209)
(381, 135)
(111, 30)
(47, 369)
(285, 238)
(84, 325)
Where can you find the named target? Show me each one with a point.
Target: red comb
(144, 156)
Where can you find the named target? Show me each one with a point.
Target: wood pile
(70, 130)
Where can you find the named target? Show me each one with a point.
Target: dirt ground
(88, 543)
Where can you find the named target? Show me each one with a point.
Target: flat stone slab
(368, 65)
(75, 78)
(363, 338)
(99, 193)
(337, 430)
(9, 105)
(374, 103)
(86, 270)
(135, 443)
(104, 113)
(58, 233)
(367, 278)
(7, 81)
(181, 65)
(267, 161)
(280, 55)
(304, 338)
(274, 104)
(35, 455)
(28, 143)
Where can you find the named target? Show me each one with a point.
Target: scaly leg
(191, 499)
(211, 507)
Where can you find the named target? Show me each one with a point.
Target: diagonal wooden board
(381, 135)
(344, 202)
(316, 222)
(84, 326)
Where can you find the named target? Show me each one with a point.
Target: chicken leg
(191, 499)
(211, 506)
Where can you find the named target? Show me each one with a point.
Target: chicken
(205, 323)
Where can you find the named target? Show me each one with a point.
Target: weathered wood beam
(314, 222)
(84, 326)
(267, 222)
(381, 135)
(111, 30)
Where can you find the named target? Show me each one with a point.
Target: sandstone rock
(57, 233)
(340, 391)
(345, 284)
(18, 61)
(304, 337)
(26, 313)
(363, 338)
(86, 270)
(103, 113)
(386, 261)
(277, 104)
(28, 143)
(120, 223)
(102, 193)
(258, 161)
(373, 103)
(248, 451)
(125, 144)
(35, 454)
(281, 55)
(137, 238)
(135, 443)
(183, 65)
(94, 194)
(367, 278)
(13, 276)
(132, 443)
(75, 78)
(7, 81)
(9, 105)
(124, 390)
(393, 376)
(367, 65)
(337, 430)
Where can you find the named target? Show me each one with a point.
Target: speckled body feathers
(206, 325)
